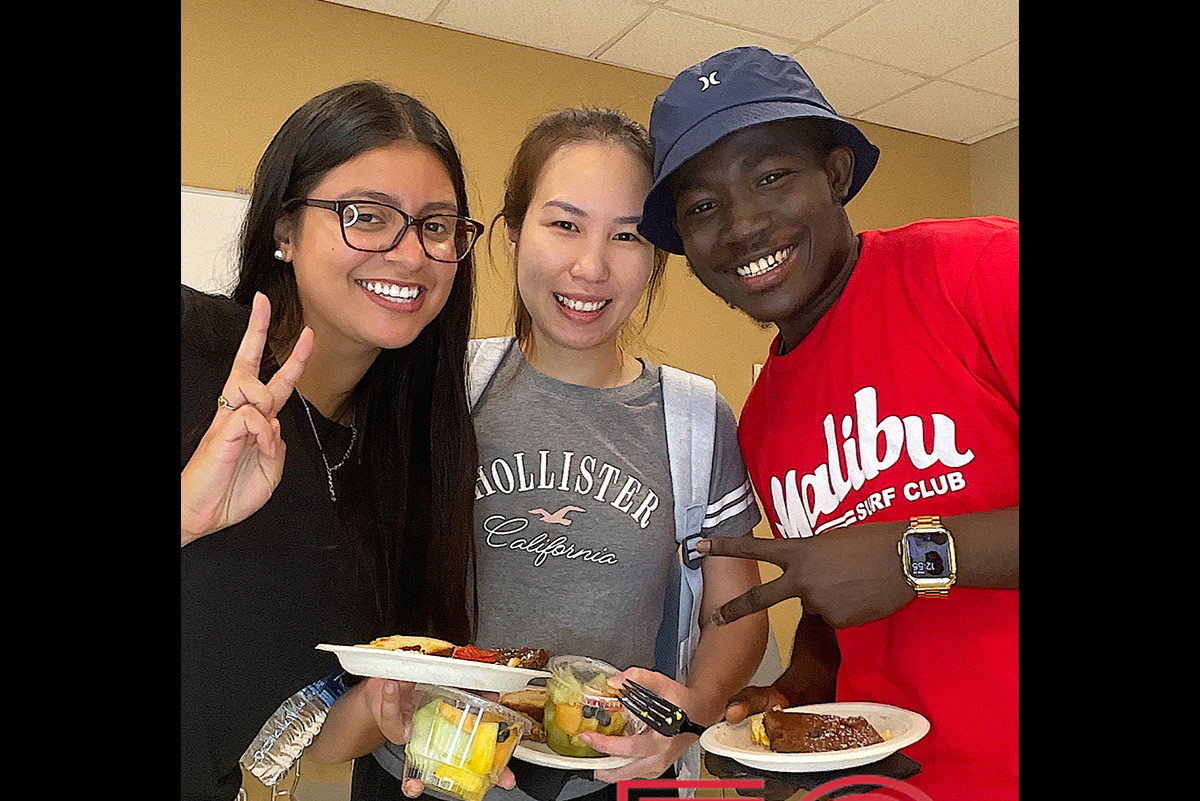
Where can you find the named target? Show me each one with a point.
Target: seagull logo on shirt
(559, 517)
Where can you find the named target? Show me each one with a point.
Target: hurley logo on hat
(755, 86)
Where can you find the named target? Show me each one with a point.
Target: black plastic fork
(657, 712)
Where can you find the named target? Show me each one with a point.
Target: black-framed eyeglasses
(377, 228)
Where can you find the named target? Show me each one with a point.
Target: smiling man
(883, 434)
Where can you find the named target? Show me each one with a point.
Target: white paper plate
(899, 727)
(443, 670)
(540, 754)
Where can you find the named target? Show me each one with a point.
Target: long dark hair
(409, 495)
(567, 127)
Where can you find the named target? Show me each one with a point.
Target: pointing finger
(249, 353)
(285, 380)
(243, 385)
(754, 600)
(764, 550)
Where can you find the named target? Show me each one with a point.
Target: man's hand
(752, 700)
(848, 576)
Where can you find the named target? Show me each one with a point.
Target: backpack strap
(690, 407)
(483, 357)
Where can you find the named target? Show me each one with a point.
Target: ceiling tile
(801, 20)
(692, 40)
(577, 28)
(998, 72)
(873, 59)
(930, 37)
(947, 111)
(850, 83)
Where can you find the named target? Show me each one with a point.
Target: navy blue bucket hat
(725, 93)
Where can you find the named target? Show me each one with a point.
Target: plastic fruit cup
(460, 742)
(579, 699)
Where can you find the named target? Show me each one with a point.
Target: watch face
(928, 554)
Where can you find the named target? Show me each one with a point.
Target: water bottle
(289, 731)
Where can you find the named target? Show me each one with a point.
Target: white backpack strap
(690, 407)
(483, 357)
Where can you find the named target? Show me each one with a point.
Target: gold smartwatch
(927, 554)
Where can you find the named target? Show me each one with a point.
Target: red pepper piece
(470, 652)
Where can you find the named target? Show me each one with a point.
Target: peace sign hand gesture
(239, 462)
(848, 576)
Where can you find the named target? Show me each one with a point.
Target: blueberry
(502, 732)
(589, 711)
(603, 718)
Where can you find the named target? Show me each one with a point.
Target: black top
(256, 598)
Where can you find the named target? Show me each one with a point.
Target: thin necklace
(329, 470)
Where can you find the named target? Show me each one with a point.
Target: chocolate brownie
(805, 732)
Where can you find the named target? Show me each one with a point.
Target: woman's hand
(371, 711)
(392, 705)
(398, 712)
(239, 462)
(651, 752)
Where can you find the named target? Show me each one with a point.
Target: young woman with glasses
(342, 347)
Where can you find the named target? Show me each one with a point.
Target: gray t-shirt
(575, 527)
(575, 520)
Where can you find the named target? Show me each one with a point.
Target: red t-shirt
(902, 401)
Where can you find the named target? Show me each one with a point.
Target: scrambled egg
(758, 732)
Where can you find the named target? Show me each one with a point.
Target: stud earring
(279, 254)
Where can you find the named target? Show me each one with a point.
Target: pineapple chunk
(465, 781)
(483, 748)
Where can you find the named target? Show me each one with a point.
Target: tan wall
(996, 175)
(247, 64)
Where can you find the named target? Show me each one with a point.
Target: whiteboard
(210, 222)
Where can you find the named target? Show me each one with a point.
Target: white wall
(209, 226)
